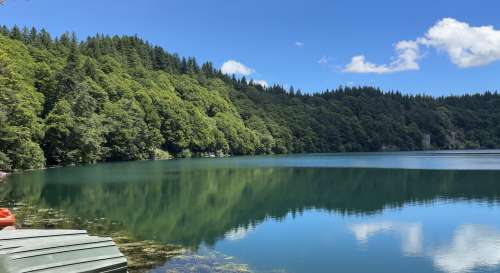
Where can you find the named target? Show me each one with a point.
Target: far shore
(442, 152)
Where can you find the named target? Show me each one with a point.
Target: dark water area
(391, 212)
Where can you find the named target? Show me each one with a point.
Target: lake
(350, 213)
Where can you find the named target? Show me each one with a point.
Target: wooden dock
(58, 251)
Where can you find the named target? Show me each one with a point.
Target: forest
(65, 101)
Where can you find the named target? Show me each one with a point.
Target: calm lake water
(349, 213)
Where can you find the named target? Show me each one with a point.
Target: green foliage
(20, 107)
(127, 134)
(161, 155)
(186, 153)
(59, 124)
(65, 102)
(5, 163)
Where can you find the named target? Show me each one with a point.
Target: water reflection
(238, 233)
(176, 204)
(472, 247)
(277, 215)
(410, 234)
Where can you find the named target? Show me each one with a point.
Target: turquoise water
(381, 212)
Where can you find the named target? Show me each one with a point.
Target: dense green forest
(64, 101)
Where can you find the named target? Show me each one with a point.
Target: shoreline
(442, 152)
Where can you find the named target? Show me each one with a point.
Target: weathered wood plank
(58, 251)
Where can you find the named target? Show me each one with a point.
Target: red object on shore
(7, 218)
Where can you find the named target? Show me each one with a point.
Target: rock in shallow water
(209, 261)
(3, 175)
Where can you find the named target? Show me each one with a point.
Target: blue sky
(284, 41)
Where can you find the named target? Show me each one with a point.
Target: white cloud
(408, 53)
(233, 67)
(261, 82)
(466, 46)
(300, 44)
(472, 247)
(359, 64)
(323, 60)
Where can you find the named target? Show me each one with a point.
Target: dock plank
(58, 251)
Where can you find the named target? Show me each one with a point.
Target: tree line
(109, 98)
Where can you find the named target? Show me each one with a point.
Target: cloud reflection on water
(237, 233)
(472, 246)
(410, 233)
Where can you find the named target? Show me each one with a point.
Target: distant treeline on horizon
(65, 102)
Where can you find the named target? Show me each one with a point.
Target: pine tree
(16, 34)
(208, 69)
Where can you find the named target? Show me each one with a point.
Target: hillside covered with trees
(65, 101)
